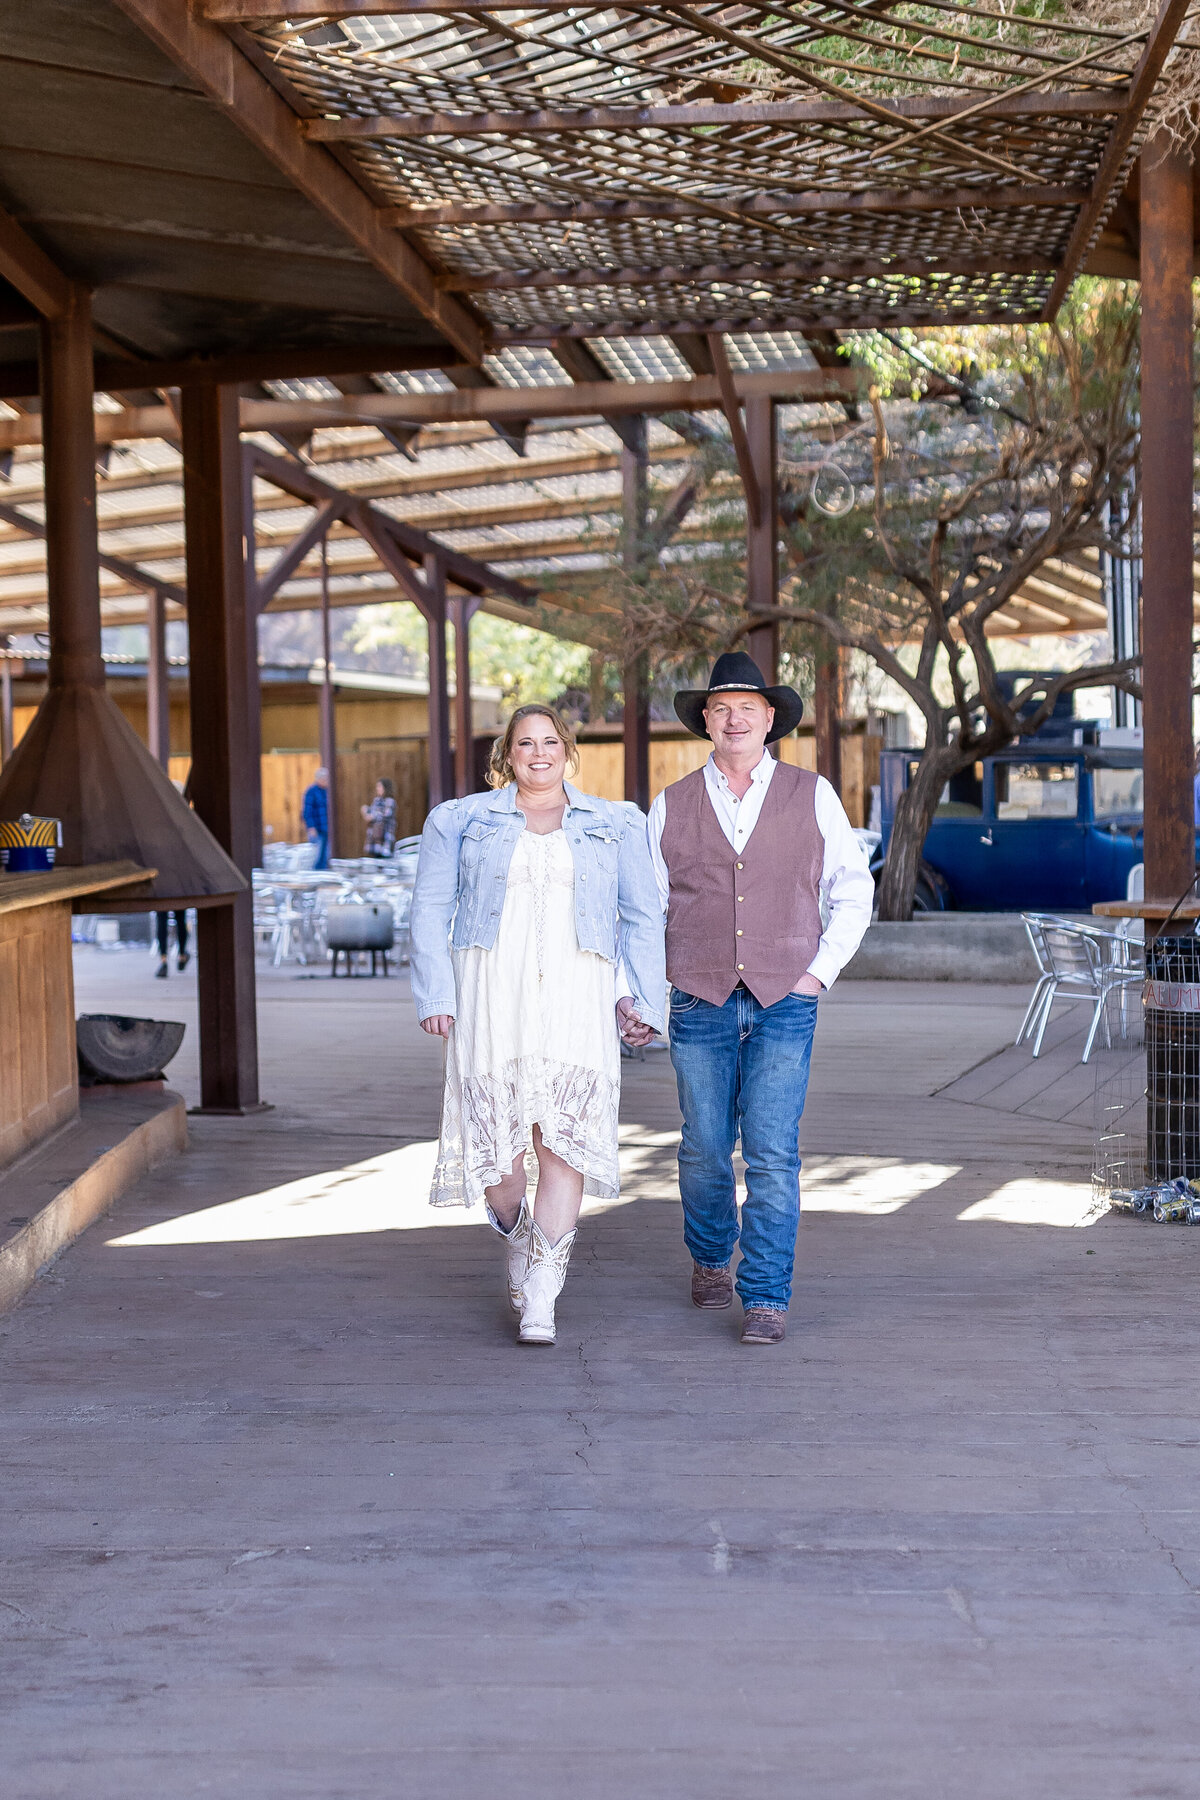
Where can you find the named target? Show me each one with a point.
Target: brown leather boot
(711, 1287)
(764, 1325)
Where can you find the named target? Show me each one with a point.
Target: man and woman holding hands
(538, 940)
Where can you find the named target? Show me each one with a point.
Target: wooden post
(462, 611)
(158, 698)
(635, 677)
(69, 450)
(224, 778)
(327, 703)
(1167, 462)
(441, 763)
(762, 546)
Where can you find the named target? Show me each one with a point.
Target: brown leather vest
(753, 917)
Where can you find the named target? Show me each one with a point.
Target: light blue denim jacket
(462, 876)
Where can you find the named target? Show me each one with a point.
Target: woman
(544, 887)
(380, 815)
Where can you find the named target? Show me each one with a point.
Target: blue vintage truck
(1047, 825)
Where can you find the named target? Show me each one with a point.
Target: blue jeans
(742, 1069)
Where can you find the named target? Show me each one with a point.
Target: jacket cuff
(429, 1009)
(650, 1015)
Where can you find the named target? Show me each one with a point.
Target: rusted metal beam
(635, 674)
(441, 760)
(289, 560)
(1167, 439)
(462, 609)
(582, 366)
(34, 275)
(72, 553)
(706, 114)
(756, 274)
(116, 565)
(742, 115)
(118, 375)
(224, 779)
(158, 696)
(762, 534)
(730, 401)
(462, 404)
(208, 56)
(475, 576)
(1166, 28)
(753, 206)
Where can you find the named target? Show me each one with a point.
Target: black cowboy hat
(735, 672)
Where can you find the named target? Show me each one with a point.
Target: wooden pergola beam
(702, 394)
(1166, 28)
(751, 207)
(746, 274)
(208, 56)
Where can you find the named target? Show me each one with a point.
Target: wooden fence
(286, 774)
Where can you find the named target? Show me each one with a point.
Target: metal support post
(462, 610)
(827, 713)
(635, 676)
(762, 536)
(1167, 465)
(224, 775)
(6, 707)
(441, 761)
(158, 699)
(72, 550)
(253, 731)
(327, 702)
(1122, 579)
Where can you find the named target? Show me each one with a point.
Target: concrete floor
(289, 1515)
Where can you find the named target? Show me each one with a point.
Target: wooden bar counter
(39, 1079)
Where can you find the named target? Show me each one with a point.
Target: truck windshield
(1116, 792)
(1041, 790)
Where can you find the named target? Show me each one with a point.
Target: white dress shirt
(847, 888)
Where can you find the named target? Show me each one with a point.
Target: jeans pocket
(681, 1002)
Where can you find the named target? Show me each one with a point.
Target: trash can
(1172, 997)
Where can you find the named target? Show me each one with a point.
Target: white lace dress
(534, 1040)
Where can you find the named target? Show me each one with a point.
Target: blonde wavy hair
(500, 769)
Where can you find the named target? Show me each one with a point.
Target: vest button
(741, 865)
(741, 897)
(741, 966)
(739, 934)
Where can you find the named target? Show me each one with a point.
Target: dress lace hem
(488, 1122)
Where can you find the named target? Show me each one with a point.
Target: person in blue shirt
(316, 816)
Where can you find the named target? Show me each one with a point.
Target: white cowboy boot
(542, 1285)
(516, 1249)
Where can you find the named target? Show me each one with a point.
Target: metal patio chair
(1083, 963)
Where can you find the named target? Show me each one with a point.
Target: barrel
(356, 925)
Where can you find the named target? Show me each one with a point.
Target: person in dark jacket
(316, 816)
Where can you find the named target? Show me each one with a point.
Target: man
(316, 816)
(749, 854)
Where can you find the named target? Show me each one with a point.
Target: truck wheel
(931, 893)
